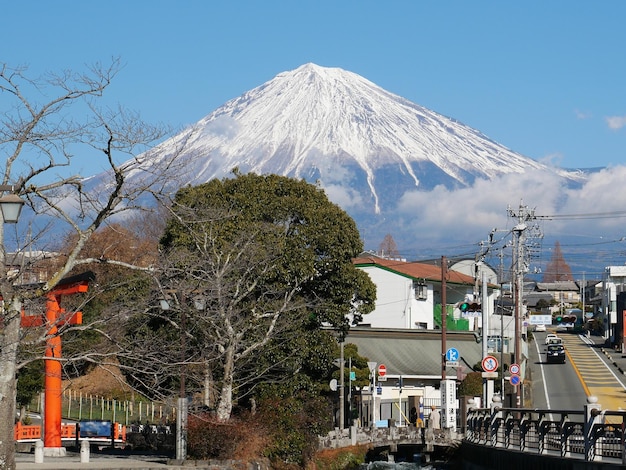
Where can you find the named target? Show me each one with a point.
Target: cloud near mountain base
(593, 209)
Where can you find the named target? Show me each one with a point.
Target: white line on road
(543, 378)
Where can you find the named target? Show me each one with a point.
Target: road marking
(609, 388)
(545, 386)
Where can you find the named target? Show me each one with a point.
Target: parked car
(555, 353)
(549, 336)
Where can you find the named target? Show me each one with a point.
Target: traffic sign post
(514, 379)
(372, 368)
(514, 368)
(490, 364)
(382, 370)
(452, 355)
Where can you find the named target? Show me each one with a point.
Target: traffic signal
(470, 307)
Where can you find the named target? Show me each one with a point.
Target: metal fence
(589, 434)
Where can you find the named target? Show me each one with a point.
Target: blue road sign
(515, 379)
(452, 355)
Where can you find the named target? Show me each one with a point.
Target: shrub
(296, 422)
(346, 458)
(472, 385)
(239, 438)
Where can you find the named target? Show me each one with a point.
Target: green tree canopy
(269, 260)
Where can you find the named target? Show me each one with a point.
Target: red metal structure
(55, 318)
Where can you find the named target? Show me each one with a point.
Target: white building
(409, 295)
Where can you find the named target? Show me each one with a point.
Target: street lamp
(182, 409)
(10, 204)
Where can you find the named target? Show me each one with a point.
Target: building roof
(531, 298)
(558, 286)
(414, 353)
(415, 270)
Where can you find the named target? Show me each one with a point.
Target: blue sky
(546, 79)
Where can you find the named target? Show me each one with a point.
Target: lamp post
(182, 408)
(183, 405)
(10, 204)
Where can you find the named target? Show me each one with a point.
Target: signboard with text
(540, 319)
(448, 403)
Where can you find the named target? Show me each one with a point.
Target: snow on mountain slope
(395, 167)
(364, 145)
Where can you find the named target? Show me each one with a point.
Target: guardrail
(590, 434)
(95, 431)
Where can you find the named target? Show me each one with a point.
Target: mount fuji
(366, 147)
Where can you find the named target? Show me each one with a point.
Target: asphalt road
(587, 371)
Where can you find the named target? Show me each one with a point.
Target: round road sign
(514, 368)
(490, 364)
(382, 370)
(514, 379)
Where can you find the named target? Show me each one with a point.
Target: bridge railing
(589, 434)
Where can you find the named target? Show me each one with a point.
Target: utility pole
(518, 268)
(485, 311)
(342, 409)
(518, 287)
(444, 315)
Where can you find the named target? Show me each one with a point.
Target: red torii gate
(54, 318)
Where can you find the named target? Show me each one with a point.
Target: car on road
(556, 340)
(540, 327)
(549, 336)
(555, 353)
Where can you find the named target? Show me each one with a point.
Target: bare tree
(557, 268)
(251, 265)
(388, 247)
(213, 300)
(41, 144)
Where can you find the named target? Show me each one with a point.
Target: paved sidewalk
(96, 462)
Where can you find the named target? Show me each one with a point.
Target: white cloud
(223, 126)
(343, 196)
(616, 122)
(582, 114)
(456, 221)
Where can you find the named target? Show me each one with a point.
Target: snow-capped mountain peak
(310, 121)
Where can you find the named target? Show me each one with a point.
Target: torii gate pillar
(56, 317)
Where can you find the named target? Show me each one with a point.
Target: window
(421, 290)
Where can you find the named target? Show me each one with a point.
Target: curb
(604, 351)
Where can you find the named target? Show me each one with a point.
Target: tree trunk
(8, 359)
(208, 385)
(225, 404)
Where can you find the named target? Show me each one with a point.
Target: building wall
(614, 285)
(396, 305)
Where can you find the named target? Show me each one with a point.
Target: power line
(591, 215)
